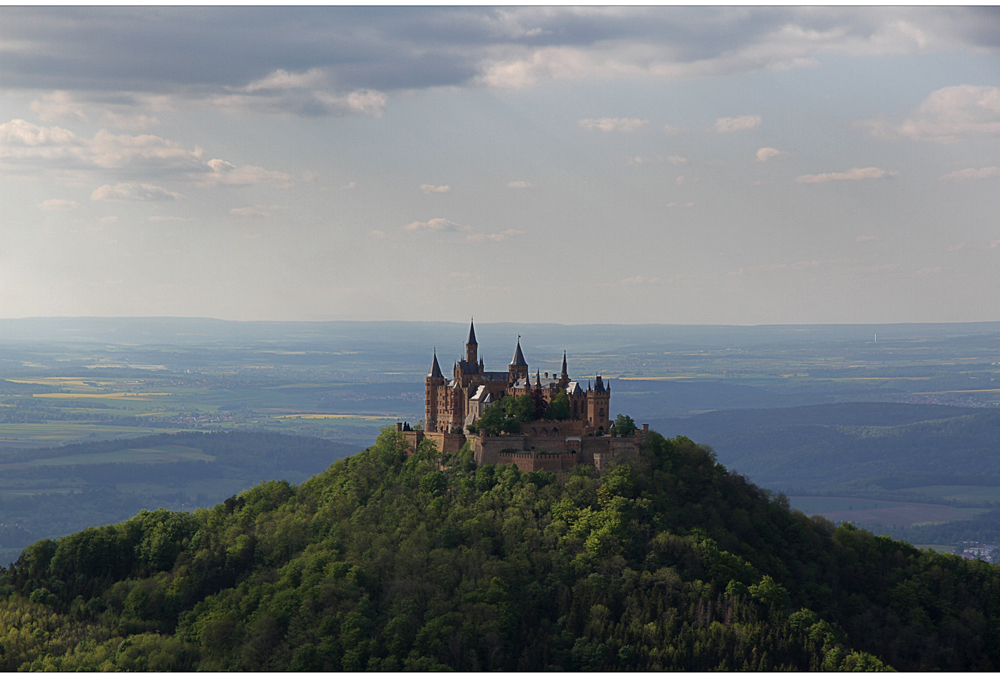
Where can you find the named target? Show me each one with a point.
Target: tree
(558, 408)
(624, 425)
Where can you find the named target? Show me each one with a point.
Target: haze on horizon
(711, 165)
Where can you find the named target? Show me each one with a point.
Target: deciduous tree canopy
(387, 561)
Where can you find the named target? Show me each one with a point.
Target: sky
(681, 165)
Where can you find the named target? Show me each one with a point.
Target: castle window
(544, 432)
(602, 413)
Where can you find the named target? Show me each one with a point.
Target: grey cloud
(202, 52)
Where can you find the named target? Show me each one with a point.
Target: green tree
(559, 408)
(624, 425)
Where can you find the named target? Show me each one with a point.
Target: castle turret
(518, 367)
(471, 346)
(564, 377)
(432, 383)
(599, 405)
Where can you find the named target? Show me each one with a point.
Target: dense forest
(390, 562)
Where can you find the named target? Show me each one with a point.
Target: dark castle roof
(472, 334)
(518, 359)
(435, 368)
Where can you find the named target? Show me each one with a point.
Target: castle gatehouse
(453, 406)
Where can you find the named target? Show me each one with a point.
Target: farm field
(873, 512)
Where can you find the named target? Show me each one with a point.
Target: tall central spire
(471, 346)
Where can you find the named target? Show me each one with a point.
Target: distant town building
(452, 405)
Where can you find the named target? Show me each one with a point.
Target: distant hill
(390, 562)
(852, 446)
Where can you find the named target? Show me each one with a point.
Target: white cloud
(766, 153)
(946, 116)
(640, 280)
(378, 235)
(130, 191)
(161, 218)
(308, 93)
(681, 180)
(993, 244)
(853, 174)
(130, 121)
(430, 188)
(518, 184)
(676, 160)
(740, 124)
(972, 173)
(350, 186)
(671, 130)
(492, 237)
(58, 105)
(957, 246)
(58, 204)
(108, 220)
(228, 174)
(436, 224)
(248, 212)
(22, 140)
(613, 124)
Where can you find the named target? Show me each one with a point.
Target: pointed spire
(565, 373)
(472, 333)
(435, 368)
(538, 378)
(518, 359)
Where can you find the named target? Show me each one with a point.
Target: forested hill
(385, 562)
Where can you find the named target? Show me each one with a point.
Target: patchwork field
(873, 512)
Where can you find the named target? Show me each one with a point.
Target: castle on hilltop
(451, 406)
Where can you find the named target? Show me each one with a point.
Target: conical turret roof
(518, 359)
(472, 334)
(435, 368)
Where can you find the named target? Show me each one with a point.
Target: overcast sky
(733, 165)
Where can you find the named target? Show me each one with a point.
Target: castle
(451, 406)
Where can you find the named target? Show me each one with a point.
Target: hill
(390, 562)
(51, 492)
(847, 447)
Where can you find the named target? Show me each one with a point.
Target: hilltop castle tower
(451, 405)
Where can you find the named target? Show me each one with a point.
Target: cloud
(613, 124)
(341, 53)
(59, 205)
(854, 174)
(256, 212)
(640, 280)
(765, 154)
(672, 131)
(492, 237)
(378, 235)
(436, 224)
(130, 191)
(518, 184)
(309, 94)
(740, 124)
(227, 174)
(676, 160)
(58, 105)
(29, 143)
(993, 244)
(972, 173)
(350, 186)
(947, 115)
(161, 218)
(430, 188)
(680, 181)
(957, 246)
(864, 238)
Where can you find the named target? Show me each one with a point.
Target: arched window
(544, 432)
